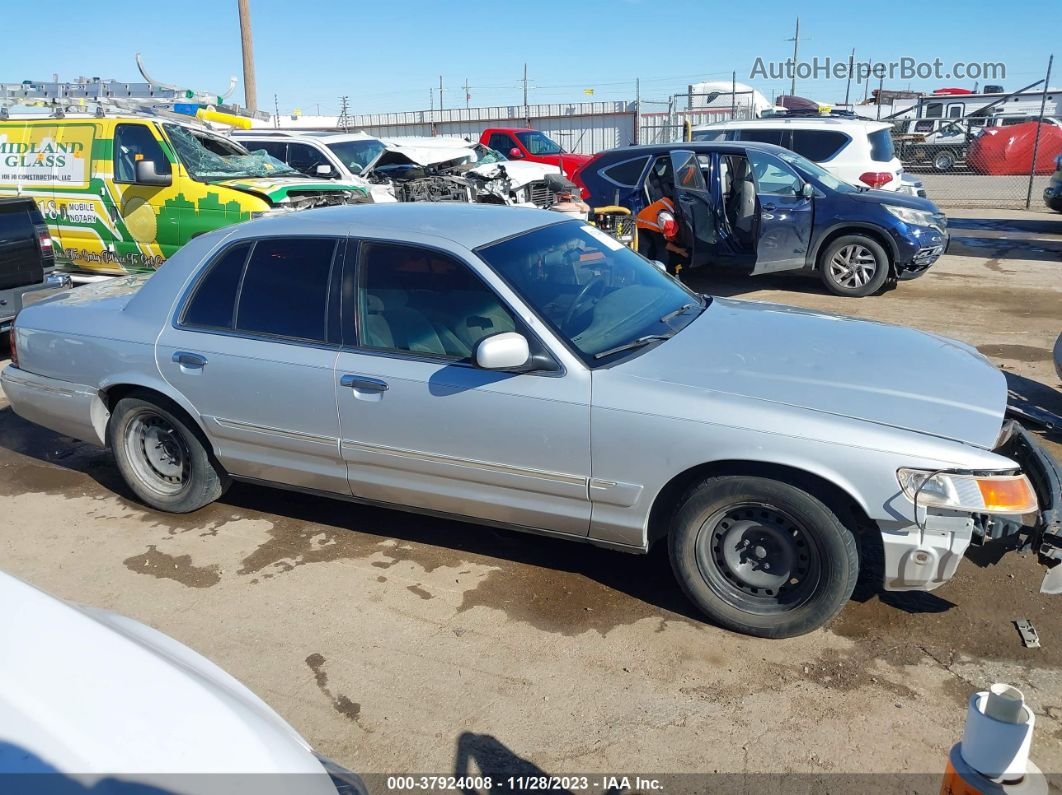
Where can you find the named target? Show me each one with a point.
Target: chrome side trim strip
(436, 458)
(286, 434)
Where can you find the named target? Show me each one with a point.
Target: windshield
(538, 144)
(355, 155)
(816, 171)
(208, 157)
(594, 292)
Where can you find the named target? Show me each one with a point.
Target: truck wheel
(761, 557)
(161, 459)
(944, 161)
(854, 266)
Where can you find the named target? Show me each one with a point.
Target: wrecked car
(409, 169)
(521, 369)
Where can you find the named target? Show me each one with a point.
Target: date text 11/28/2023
(530, 783)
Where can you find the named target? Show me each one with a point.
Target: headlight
(911, 216)
(1010, 494)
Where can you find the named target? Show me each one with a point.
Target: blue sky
(387, 55)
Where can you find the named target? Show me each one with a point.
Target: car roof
(468, 225)
(803, 123)
(735, 147)
(316, 135)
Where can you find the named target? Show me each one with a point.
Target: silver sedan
(522, 369)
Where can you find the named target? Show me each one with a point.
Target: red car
(534, 146)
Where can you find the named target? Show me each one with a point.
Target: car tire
(163, 459)
(854, 266)
(944, 161)
(730, 530)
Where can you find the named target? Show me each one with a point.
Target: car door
(147, 232)
(306, 159)
(695, 208)
(423, 427)
(253, 350)
(785, 216)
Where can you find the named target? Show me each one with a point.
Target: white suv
(858, 151)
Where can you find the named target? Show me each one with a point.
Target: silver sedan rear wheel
(163, 456)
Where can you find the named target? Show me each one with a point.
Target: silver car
(522, 369)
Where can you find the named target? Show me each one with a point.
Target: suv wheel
(944, 161)
(854, 266)
(762, 557)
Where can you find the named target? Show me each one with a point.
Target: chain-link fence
(977, 150)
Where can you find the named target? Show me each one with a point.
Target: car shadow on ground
(1037, 405)
(969, 238)
(727, 284)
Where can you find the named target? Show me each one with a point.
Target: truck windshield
(355, 155)
(210, 157)
(595, 293)
(538, 144)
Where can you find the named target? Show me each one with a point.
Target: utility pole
(796, 45)
(851, 66)
(250, 94)
(468, 96)
(440, 93)
(276, 111)
(527, 112)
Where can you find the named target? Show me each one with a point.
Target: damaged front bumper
(922, 558)
(1045, 536)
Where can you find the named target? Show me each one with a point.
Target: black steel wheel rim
(158, 453)
(758, 558)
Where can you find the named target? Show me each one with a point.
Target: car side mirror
(145, 174)
(323, 170)
(515, 153)
(503, 351)
(807, 190)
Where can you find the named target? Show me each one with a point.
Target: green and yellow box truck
(120, 193)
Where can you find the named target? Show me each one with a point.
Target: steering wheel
(581, 298)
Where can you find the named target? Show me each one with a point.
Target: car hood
(84, 691)
(875, 372)
(896, 198)
(283, 190)
(520, 172)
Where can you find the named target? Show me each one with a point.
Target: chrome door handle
(769, 207)
(363, 383)
(186, 359)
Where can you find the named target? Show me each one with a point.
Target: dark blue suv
(759, 208)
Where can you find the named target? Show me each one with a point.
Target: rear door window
(502, 142)
(709, 135)
(761, 136)
(818, 146)
(277, 149)
(881, 148)
(284, 292)
(626, 173)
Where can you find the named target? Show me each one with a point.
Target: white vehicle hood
(90, 693)
(521, 173)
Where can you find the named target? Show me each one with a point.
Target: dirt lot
(396, 643)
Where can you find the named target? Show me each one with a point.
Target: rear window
(215, 297)
(881, 149)
(818, 145)
(627, 172)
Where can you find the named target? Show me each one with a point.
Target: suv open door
(694, 206)
(785, 209)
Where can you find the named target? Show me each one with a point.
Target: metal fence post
(1039, 125)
